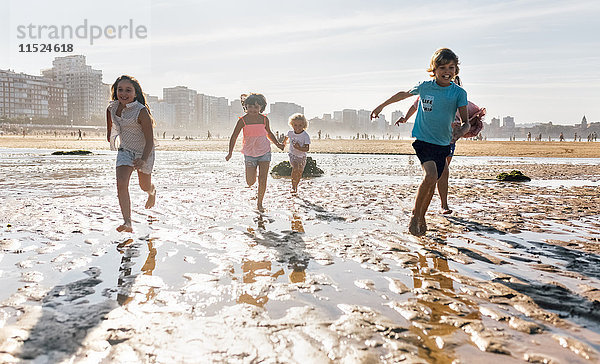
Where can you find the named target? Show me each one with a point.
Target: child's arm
(409, 113)
(108, 125)
(464, 127)
(234, 136)
(146, 122)
(302, 149)
(397, 97)
(272, 137)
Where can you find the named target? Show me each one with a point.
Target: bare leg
(263, 173)
(250, 176)
(425, 192)
(442, 186)
(123, 176)
(146, 185)
(296, 175)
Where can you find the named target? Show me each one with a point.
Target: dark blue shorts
(452, 148)
(432, 152)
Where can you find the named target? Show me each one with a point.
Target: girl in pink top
(256, 146)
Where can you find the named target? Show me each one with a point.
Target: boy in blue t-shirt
(438, 101)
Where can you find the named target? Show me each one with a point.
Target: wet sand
(331, 275)
(335, 146)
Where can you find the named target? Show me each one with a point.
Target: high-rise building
(185, 103)
(280, 112)
(162, 112)
(28, 96)
(364, 120)
(495, 123)
(350, 119)
(508, 122)
(213, 112)
(86, 94)
(396, 115)
(235, 111)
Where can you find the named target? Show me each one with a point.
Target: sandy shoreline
(337, 146)
(328, 276)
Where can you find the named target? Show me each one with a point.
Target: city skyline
(532, 60)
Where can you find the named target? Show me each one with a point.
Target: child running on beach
(128, 118)
(476, 115)
(439, 100)
(299, 145)
(256, 146)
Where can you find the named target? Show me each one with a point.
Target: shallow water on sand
(328, 275)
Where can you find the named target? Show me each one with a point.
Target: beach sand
(328, 276)
(336, 146)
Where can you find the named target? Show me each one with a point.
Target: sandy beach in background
(336, 146)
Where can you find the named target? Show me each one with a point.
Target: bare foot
(422, 227)
(446, 211)
(413, 226)
(151, 198)
(260, 208)
(125, 227)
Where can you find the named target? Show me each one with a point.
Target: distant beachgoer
(256, 147)
(476, 115)
(79, 133)
(128, 118)
(528, 136)
(575, 137)
(561, 137)
(299, 145)
(439, 100)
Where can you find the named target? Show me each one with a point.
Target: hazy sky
(537, 61)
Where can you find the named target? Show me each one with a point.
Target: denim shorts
(125, 157)
(253, 161)
(432, 152)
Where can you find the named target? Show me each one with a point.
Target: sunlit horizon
(533, 60)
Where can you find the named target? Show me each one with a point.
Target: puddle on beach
(330, 275)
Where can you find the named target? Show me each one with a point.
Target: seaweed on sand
(513, 176)
(284, 169)
(72, 152)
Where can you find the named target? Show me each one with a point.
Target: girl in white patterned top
(130, 128)
(299, 145)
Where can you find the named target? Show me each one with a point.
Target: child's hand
(402, 120)
(138, 163)
(297, 145)
(375, 113)
(228, 157)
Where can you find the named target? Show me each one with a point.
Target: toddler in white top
(299, 145)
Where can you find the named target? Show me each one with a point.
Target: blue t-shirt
(436, 111)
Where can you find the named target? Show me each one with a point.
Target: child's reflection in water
(126, 279)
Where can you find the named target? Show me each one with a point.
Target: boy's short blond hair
(299, 117)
